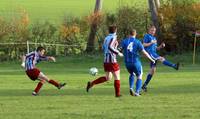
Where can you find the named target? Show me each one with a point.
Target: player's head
(112, 29)
(133, 32)
(152, 30)
(41, 50)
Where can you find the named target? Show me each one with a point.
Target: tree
(94, 27)
(154, 6)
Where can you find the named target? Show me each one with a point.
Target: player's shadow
(101, 91)
(55, 92)
(176, 89)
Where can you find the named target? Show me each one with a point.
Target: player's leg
(131, 83)
(139, 72)
(149, 76)
(99, 80)
(168, 63)
(108, 67)
(129, 68)
(38, 87)
(116, 76)
(51, 81)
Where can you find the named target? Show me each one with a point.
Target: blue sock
(167, 63)
(131, 81)
(138, 85)
(149, 76)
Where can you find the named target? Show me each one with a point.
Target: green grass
(172, 94)
(55, 10)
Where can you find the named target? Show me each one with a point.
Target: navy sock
(167, 63)
(149, 76)
(131, 81)
(138, 85)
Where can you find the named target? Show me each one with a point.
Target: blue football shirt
(131, 48)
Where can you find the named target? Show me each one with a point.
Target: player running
(131, 48)
(150, 45)
(34, 73)
(111, 66)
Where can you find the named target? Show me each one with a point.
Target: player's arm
(47, 58)
(141, 48)
(50, 58)
(148, 56)
(147, 42)
(121, 46)
(162, 45)
(112, 48)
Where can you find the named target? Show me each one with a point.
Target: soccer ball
(93, 71)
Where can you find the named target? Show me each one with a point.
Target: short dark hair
(152, 26)
(40, 48)
(112, 29)
(132, 32)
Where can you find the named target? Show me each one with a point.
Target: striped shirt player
(111, 66)
(110, 53)
(151, 46)
(34, 73)
(131, 48)
(31, 60)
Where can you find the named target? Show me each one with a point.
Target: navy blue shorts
(154, 56)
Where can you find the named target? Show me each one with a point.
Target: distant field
(54, 10)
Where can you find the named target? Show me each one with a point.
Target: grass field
(172, 94)
(55, 10)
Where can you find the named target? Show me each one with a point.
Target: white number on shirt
(130, 47)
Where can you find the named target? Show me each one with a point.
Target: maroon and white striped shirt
(32, 59)
(110, 48)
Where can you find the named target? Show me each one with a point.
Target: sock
(54, 83)
(117, 87)
(131, 81)
(167, 63)
(99, 80)
(149, 76)
(37, 89)
(138, 85)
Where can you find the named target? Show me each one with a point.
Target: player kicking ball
(131, 48)
(111, 66)
(150, 45)
(30, 60)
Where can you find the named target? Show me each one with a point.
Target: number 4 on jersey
(130, 47)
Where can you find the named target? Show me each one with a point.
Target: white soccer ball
(93, 71)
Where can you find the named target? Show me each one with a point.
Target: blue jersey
(148, 38)
(131, 47)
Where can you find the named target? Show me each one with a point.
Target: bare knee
(108, 76)
(161, 59)
(152, 71)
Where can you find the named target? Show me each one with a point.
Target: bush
(178, 23)
(70, 35)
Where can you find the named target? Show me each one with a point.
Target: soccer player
(131, 48)
(34, 73)
(150, 45)
(111, 66)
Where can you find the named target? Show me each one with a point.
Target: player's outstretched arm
(148, 44)
(148, 56)
(162, 45)
(50, 58)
